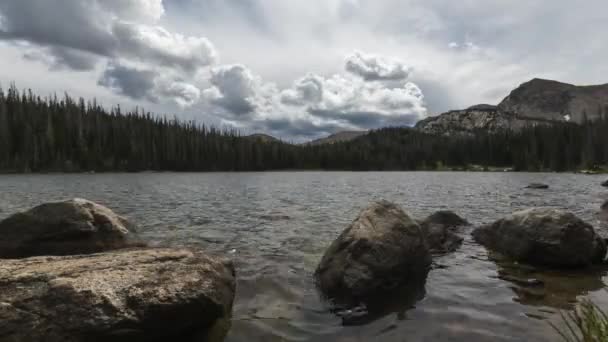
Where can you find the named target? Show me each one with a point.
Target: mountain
(479, 117)
(338, 137)
(556, 101)
(264, 138)
(532, 103)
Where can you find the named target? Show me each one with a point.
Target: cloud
(145, 84)
(110, 29)
(376, 68)
(297, 81)
(314, 105)
(156, 45)
(234, 89)
(131, 82)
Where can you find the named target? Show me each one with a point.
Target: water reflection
(396, 301)
(277, 225)
(557, 289)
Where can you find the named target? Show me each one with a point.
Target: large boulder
(382, 249)
(127, 295)
(439, 230)
(544, 236)
(70, 227)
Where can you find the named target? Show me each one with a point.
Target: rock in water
(605, 183)
(537, 186)
(128, 295)
(381, 249)
(604, 211)
(544, 236)
(439, 228)
(70, 227)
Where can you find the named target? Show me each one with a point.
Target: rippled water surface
(277, 225)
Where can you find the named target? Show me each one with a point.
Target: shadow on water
(366, 310)
(553, 288)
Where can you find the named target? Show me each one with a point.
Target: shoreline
(579, 172)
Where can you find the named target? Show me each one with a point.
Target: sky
(299, 69)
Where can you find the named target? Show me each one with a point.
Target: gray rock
(383, 248)
(127, 295)
(537, 186)
(556, 101)
(439, 231)
(70, 227)
(446, 218)
(544, 236)
(604, 211)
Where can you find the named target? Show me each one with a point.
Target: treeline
(50, 134)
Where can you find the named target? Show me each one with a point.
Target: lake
(277, 225)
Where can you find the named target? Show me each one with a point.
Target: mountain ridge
(535, 102)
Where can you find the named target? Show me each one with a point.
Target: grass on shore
(587, 323)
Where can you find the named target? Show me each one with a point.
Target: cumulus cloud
(156, 45)
(376, 68)
(234, 89)
(128, 81)
(161, 65)
(315, 105)
(145, 84)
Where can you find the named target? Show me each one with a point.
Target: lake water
(277, 225)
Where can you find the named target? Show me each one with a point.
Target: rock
(556, 101)
(537, 186)
(382, 249)
(446, 218)
(605, 183)
(484, 118)
(127, 295)
(604, 211)
(70, 227)
(439, 228)
(544, 236)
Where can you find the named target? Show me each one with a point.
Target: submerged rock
(544, 236)
(439, 228)
(70, 227)
(128, 295)
(537, 186)
(604, 211)
(605, 183)
(383, 248)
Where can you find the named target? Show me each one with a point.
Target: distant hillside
(532, 103)
(338, 137)
(265, 138)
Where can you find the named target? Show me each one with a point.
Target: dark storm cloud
(102, 28)
(367, 119)
(45, 23)
(131, 82)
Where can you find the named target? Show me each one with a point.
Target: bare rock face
(439, 230)
(382, 249)
(484, 118)
(70, 227)
(556, 101)
(537, 102)
(544, 236)
(127, 295)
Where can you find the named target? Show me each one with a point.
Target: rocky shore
(75, 271)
